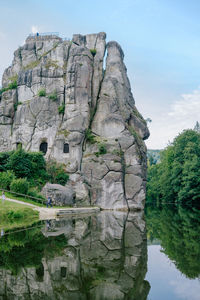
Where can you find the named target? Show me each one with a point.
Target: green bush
(102, 149)
(34, 193)
(61, 109)
(89, 136)
(4, 157)
(62, 178)
(19, 185)
(57, 173)
(5, 179)
(93, 52)
(53, 96)
(25, 164)
(11, 86)
(19, 162)
(42, 93)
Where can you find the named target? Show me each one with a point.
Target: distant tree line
(177, 177)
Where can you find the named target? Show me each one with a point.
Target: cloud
(34, 29)
(182, 114)
(187, 107)
(186, 289)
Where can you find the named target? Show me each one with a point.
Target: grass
(51, 64)
(32, 65)
(14, 215)
(27, 200)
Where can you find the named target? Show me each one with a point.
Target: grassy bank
(20, 198)
(14, 215)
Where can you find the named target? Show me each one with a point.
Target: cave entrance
(63, 272)
(66, 148)
(43, 147)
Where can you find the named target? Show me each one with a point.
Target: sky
(160, 40)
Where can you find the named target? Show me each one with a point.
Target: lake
(109, 255)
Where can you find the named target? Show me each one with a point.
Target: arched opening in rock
(66, 148)
(63, 272)
(43, 147)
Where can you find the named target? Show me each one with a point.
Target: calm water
(104, 256)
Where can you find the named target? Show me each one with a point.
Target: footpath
(51, 213)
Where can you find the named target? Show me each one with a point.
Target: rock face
(59, 194)
(58, 98)
(104, 258)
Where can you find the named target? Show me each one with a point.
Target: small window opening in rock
(18, 146)
(43, 147)
(63, 272)
(66, 148)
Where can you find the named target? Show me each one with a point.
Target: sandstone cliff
(58, 98)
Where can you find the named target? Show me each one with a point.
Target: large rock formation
(103, 257)
(58, 98)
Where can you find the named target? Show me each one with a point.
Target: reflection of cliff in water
(98, 257)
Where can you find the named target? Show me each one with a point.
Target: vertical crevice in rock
(27, 284)
(63, 103)
(123, 164)
(33, 132)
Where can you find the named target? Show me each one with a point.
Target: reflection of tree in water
(26, 248)
(98, 257)
(178, 230)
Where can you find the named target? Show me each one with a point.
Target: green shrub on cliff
(42, 93)
(11, 86)
(53, 96)
(93, 52)
(61, 109)
(56, 173)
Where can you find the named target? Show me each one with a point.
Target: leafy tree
(19, 162)
(177, 177)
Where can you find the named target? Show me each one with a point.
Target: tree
(177, 177)
(197, 127)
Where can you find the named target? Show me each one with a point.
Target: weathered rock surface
(86, 116)
(104, 258)
(60, 195)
